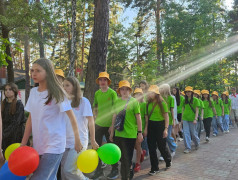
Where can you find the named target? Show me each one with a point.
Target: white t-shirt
(48, 122)
(81, 113)
(234, 101)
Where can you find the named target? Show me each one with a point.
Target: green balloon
(109, 153)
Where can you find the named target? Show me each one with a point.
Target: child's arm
(91, 127)
(78, 146)
(196, 115)
(146, 126)
(139, 126)
(1, 155)
(222, 110)
(214, 111)
(172, 112)
(28, 131)
(112, 129)
(95, 112)
(166, 120)
(202, 113)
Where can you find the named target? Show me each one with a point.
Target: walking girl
(209, 110)
(227, 109)
(158, 125)
(197, 94)
(189, 119)
(140, 154)
(83, 112)
(132, 129)
(13, 117)
(166, 94)
(48, 105)
(219, 107)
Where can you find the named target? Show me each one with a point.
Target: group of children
(60, 120)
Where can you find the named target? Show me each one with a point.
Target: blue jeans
(217, 123)
(144, 146)
(48, 167)
(170, 140)
(189, 130)
(225, 122)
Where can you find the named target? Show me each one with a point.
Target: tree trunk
(27, 62)
(83, 41)
(158, 34)
(98, 47)
(5, 35)
(73, 40)
(40, 33)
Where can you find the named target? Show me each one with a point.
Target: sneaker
(142, 158)
(103, 165)
(197, 147)
(180, 139)
(152, 173)
(207, 139)
(227, 131)
(161, 158)
(214, 135)
(98, 174)
(113, 174)
(186, 151)
(172, 154)
(137, 167)
(168, 166)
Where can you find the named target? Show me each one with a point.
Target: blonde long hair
(164, 90)
(54, 86)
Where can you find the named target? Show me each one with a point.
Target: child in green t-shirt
(209, 111)
(104, 100)
(189, 119)
(227, 109)
(140, 153)
(219, 107)
(132, 128)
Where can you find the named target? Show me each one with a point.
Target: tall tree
(98, 47)
(73, 40)
(40, 31)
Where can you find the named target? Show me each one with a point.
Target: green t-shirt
(201, 106)
(179, 108)
(104, 102)
(208, 112)
(188, 113)
(218, 106)
(227, 107)
(142, 114)
(157, 114)
(130, 125)
(170, 103)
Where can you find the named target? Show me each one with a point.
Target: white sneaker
(227, 131)
(172, 154)
(207, 139)
(161, 158)
(180, 139)
(186, 151)
(214, 135)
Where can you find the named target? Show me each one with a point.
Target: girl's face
(68, 87)
(189, 93)
(38, 73)
(124, 91)
(196, 95)
(139, 96)
(174, 91)
(143, 86)
(103, 82)
(9, 92)
(214, 97)
(223, 96)
(205, 96)
(151, 95)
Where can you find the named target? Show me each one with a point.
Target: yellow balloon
(88, 161)
(10, 149)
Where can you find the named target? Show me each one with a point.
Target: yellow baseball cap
(154, 89)
(59, 72)
(124, 83)
(103, 75)
(226, 93)
(215, 93)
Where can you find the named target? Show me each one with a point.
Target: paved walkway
(216, 160)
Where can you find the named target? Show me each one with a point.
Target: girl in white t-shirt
(48, 105)
(83, 112)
